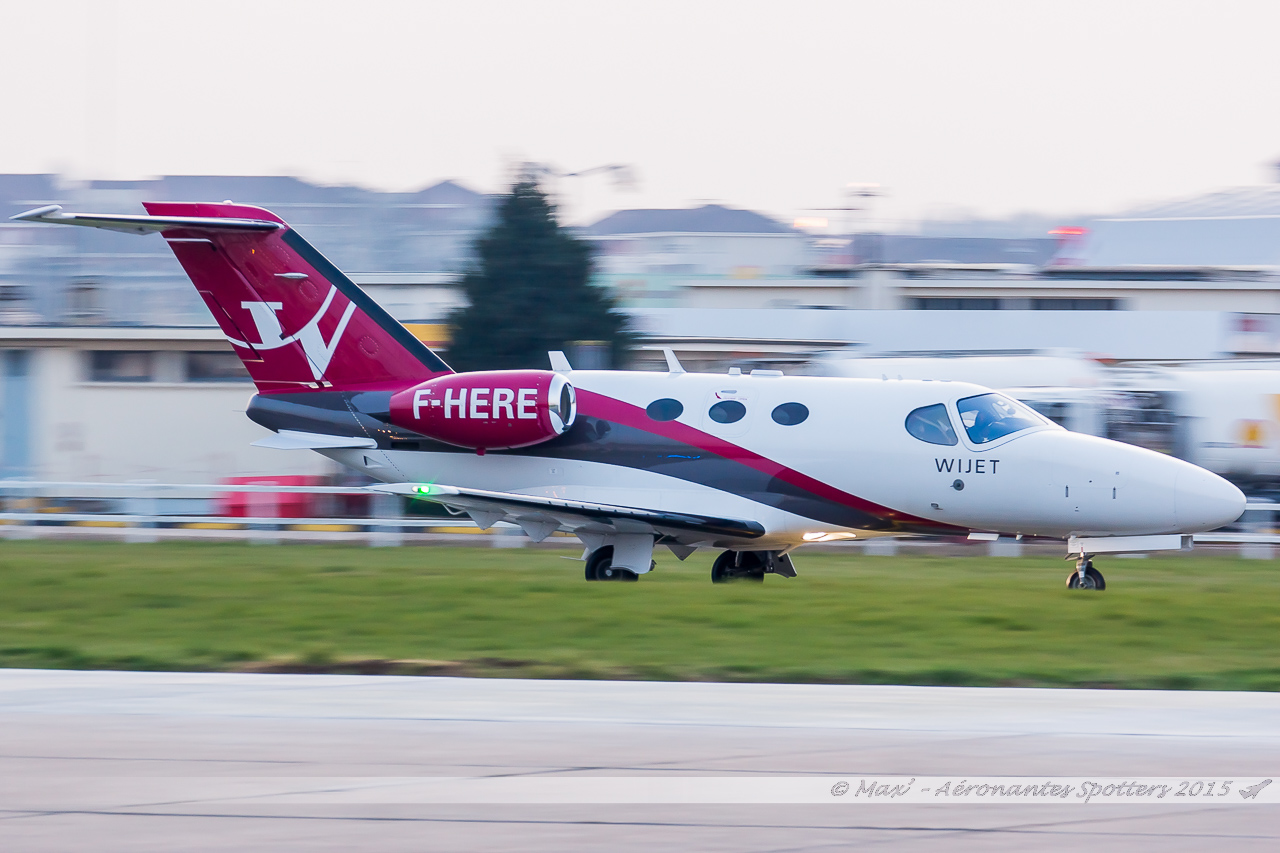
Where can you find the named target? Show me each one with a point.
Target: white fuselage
(850, 466)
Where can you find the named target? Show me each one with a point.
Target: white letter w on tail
(319, 352)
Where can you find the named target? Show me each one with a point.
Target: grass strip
(1178, 621)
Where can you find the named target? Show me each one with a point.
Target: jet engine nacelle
(488, 410)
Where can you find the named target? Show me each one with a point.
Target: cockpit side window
(931, 424)
(991, 416)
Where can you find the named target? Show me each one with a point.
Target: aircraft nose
(1204, 501)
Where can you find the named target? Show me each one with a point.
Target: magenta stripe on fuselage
(598, 405)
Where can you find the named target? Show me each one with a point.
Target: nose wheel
(1086, 576)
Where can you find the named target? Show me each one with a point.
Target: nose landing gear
(1086, 576)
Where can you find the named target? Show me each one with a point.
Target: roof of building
(448, 192)
(1261, 200)
(708, 219)
(1238, 226)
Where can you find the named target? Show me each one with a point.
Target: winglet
(559, 363)
(46, 213)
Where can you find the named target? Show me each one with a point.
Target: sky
(951, 109)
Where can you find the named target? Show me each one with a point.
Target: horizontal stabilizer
(142, 224)
(572, 514)
(287, 439)
(294, 319)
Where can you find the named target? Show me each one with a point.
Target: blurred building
(1232, 228)
(791, 339)
(657, 258)
(130, 403)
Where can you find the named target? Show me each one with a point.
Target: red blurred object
(271, 504)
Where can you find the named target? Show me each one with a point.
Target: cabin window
(991, 416)
(665, 409)
(932, 424)
(727, 412)
(790, 414)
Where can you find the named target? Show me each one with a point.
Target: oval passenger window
(932, 424)
(727, 412)
(665, 409)
(790, 414)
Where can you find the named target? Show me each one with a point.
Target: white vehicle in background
(1221, 416)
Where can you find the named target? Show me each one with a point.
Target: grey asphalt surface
(135, 761)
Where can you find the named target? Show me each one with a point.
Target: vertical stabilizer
(294, 319)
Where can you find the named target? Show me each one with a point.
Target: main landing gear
(600, 567)
(750, 566)
(738, 566)
(1086, 576)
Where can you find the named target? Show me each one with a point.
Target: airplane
(752, 464)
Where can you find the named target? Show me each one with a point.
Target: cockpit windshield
(991, 416)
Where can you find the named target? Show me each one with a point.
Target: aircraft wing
(540, 515)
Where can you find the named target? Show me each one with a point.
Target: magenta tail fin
(294, 319)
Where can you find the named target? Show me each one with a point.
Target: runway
(111, 761)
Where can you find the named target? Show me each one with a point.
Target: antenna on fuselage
(673, 363)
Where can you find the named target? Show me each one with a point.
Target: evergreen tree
(530, 291)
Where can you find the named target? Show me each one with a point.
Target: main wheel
(738, 566)
(1093, 579)
(600, 567)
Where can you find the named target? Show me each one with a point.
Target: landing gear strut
(1086, 576)
(751, 566)
(600, 567)
(738, 566)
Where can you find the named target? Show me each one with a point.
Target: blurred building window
(215, 367)
(120, 366)
(1075, 304)
(1055, 410)
(84, 301)
(941, 303)
(1147, 419)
